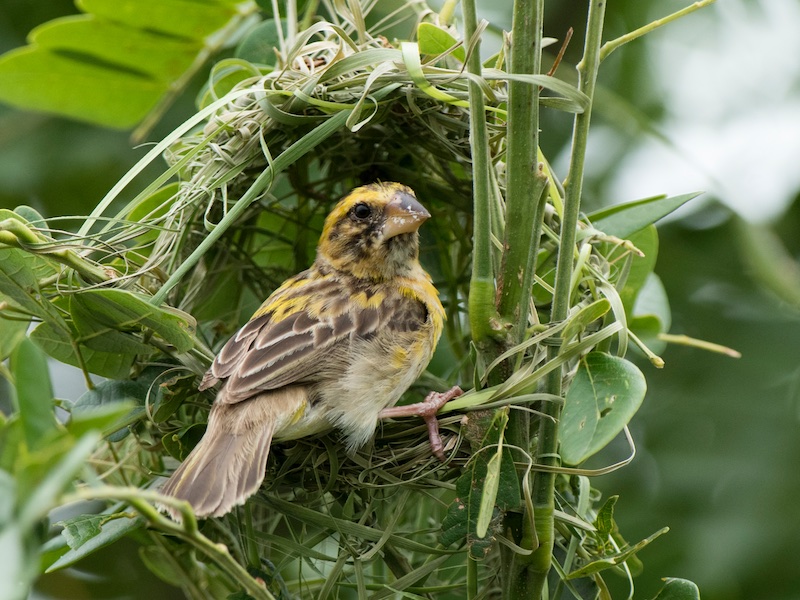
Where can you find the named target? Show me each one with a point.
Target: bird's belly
(357, 387)
(375, 380)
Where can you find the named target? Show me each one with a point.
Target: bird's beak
(404, 214)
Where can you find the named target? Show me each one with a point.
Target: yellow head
(372, 232)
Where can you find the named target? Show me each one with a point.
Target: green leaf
(259, 45)
(651, 313)
(616, 559)
(434, 41)
(18, 567)
(641, 267)
(33, 393)
(180, 444)
(101, 337)
(584, 317)
(32, 78)
(19, 280)
(106, 418)
(413, 64)
(604, 522)
(489, 495)
(45, 496)
(8, 493)
(78, 530)
(113, 66)
(266, 7)
(12, 445)
(31, 215)
(128, 311)
(171, 395)
(652, 300)
(488, 488)
(59, 345)
(220, 293)
(151, 208)
(162, 564)
(94, 534)
(141, 52)
(678, 589)
(155, 205)
(12, 332)
(126, 398)
(605, 393)
(180, 18)
(622, 220)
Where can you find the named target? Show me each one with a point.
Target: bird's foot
(427, 409)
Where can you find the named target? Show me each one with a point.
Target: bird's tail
(229, 463)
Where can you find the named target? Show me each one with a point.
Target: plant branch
(547, 447)
(526, 191)
(481, 287)
(612, 45)
(525, 180)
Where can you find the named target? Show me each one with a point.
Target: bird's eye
(361, 211)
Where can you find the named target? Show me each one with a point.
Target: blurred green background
(711, 102)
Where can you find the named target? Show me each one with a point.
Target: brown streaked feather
(229, 463)
(278, 348)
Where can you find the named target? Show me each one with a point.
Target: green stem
(526, 192)
(249, 542)
(612, 45)
(188, 531)
(525, 181)
(685, 340)
(446, 13)
(481, 287)
(308, 15)
(472, 578)
(547, 447)
(17, 234)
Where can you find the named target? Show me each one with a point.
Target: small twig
(685, 340)
(560, 55)
(612, 45)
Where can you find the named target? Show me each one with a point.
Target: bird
(334, 347)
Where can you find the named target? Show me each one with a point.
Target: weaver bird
(333, 347)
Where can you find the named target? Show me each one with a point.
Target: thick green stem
(481, 287)
(547, 447)
(525, 181)
(525, 193)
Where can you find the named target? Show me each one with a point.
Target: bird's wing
(299, 329)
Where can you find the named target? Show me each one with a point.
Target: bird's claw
(427, 409)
